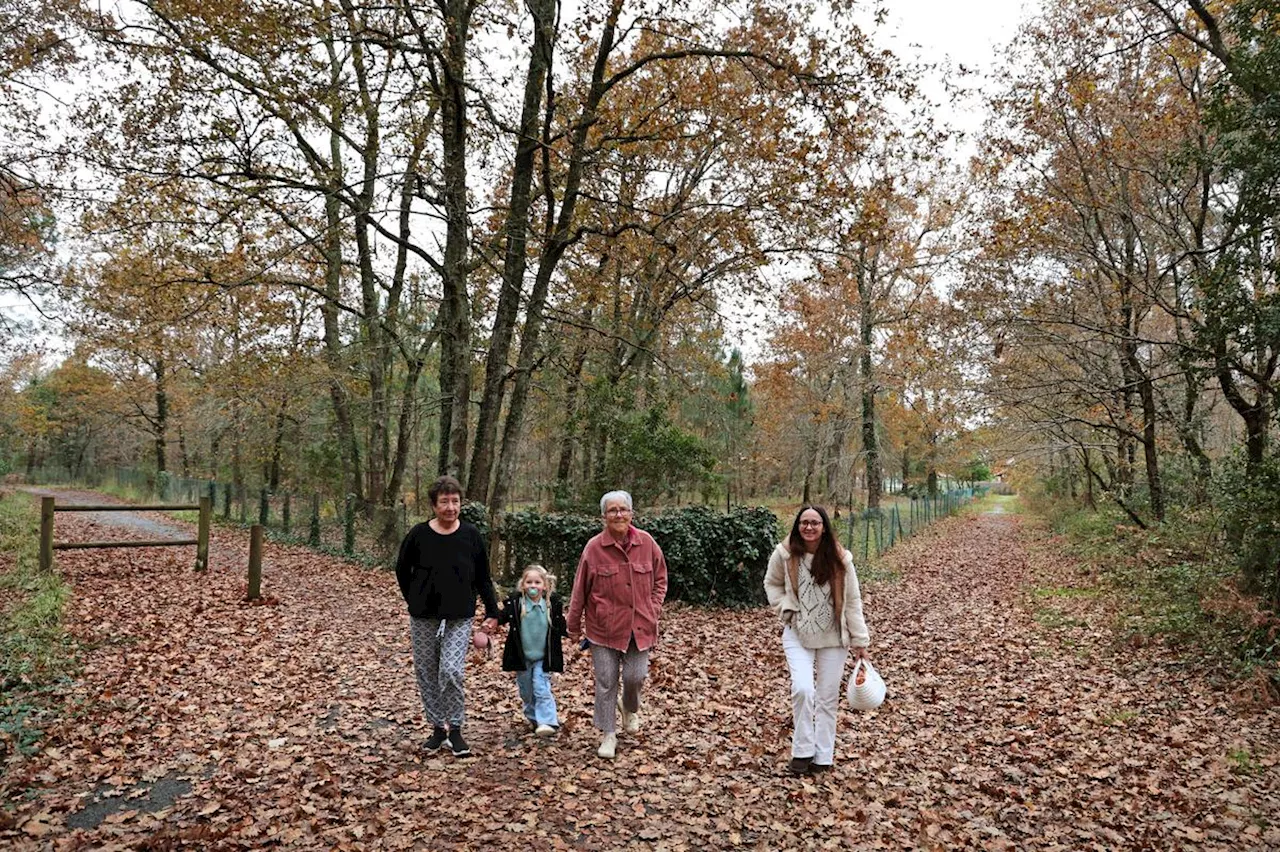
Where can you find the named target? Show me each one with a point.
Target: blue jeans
(535, 692)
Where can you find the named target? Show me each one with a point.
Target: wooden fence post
(349, 526)
(314, 532)
(202, 533)
(46, 534)
(255, 562)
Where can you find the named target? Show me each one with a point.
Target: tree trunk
(515, 231)
(455, 378)
(866, 376)
(557, 243)
(162, 414)
(348, 448)
(183, 458)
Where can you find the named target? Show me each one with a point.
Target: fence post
(46, 534)
(314, 532)
(284, 513)
(264, 506)
(349, 526)
(255, 562)
(866, 540)
(202, 533)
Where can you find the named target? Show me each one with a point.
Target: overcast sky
(965, 31)
(968, 34)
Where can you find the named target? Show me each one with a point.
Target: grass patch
(1242, 762)
(35, 651)
(1055, 619)
(1119, 717)
(1066, 592)
(1176, 583)
(990, 503)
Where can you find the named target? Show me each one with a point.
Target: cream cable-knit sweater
(808, 611)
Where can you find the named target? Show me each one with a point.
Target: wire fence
(875, 531)
(334, 524)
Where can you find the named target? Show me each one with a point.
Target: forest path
(1015, 720)
(148, 524)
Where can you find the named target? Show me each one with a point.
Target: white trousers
(815, 697)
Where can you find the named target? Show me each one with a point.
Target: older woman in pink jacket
(618, 591)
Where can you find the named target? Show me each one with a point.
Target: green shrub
(553, 540)
(477, 514)
(713, 559)
(1251, 507)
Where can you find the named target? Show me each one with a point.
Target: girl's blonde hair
(548, 583)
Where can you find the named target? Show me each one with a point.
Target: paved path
(148, 524)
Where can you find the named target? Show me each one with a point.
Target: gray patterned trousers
(610, 667)
(439, 654)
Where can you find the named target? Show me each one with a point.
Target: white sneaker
(608, 746)
(630, 721)
(545, 731)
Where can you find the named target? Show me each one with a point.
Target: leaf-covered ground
(1015, 720)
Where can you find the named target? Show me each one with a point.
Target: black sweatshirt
(440, 575)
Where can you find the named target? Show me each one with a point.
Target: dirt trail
(146, 525)
(1014, 720)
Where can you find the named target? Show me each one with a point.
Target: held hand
(860, 654)
(489, 625)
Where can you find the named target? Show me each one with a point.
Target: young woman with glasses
(812, 585)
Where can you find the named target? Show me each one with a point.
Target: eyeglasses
(616, 512)
(811, 523)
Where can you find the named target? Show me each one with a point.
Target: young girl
(533, 646)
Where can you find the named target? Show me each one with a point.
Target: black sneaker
(799, 765)
(437, 738)
(457, 744)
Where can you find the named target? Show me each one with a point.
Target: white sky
(967, 32)
(952, 34)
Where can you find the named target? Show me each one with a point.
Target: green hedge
(713, 559)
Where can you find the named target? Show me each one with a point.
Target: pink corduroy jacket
(619, 590)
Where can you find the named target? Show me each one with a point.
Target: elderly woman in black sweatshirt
(441, 568)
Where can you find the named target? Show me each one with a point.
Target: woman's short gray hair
(615, 495)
